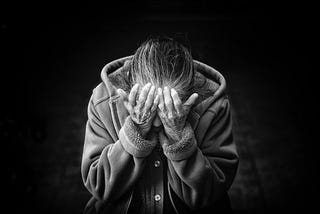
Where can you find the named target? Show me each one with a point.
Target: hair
(163, 62)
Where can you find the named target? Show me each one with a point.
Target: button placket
(157, 190)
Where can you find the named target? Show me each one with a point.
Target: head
(163, 62)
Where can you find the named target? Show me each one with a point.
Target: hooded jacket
(117, 161)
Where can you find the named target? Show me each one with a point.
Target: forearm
(195, 181)
(104, 178)
(104, 169)
(193, 176)
(133, 140)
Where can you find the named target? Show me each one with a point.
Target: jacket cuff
(133, 142)
(182, 149)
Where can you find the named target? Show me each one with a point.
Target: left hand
(173, 113)
(143, 110)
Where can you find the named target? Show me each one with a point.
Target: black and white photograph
(159, 107)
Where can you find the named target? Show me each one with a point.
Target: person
(159, 135)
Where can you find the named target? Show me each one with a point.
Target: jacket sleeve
(110, 167)
(200, 175)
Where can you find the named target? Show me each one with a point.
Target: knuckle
(161, 115)
(168, 102)
(133, 92)
(170, 116)
(175, 95)
(177, 105)
(143, 97)
(174, 92)
(145, 90)
(130, 97)
(161, 106)
(179, 115)
(137, 112)
(155, 103)
(153, 108)
(150, 96)
(149, 102)
(139, 118)
(147, 106)
(161, 109)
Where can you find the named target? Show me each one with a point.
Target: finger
(143, 95)
(133, 94)
(155, 103)
(161, 100)
(149, 101)
(168, 101)
(191, 100)
(123, 95)
(176, 101)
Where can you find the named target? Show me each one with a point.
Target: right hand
(173, 113)
(143, 110)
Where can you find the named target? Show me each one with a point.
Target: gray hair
(163, 62)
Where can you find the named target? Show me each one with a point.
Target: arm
(201, 175)
(110, 168)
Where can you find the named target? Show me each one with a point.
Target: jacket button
(157, 197)
(157, 164)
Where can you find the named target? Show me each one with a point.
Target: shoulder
(106, 90)
(100, 94)
(204, 87)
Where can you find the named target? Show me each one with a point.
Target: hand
(143, 109)
(173, 113)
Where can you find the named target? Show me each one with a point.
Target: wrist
(144, 133)
(142, 129)
(174, 134)
(132, 141)
(181, 149)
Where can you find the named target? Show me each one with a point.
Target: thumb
(123, 95)
(191, 100)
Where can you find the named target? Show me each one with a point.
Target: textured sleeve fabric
(133, 142)
(110, 167)
(201, 176)
(182, 149)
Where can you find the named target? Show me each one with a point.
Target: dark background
(52, 55)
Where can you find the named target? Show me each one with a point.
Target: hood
(209, 83)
